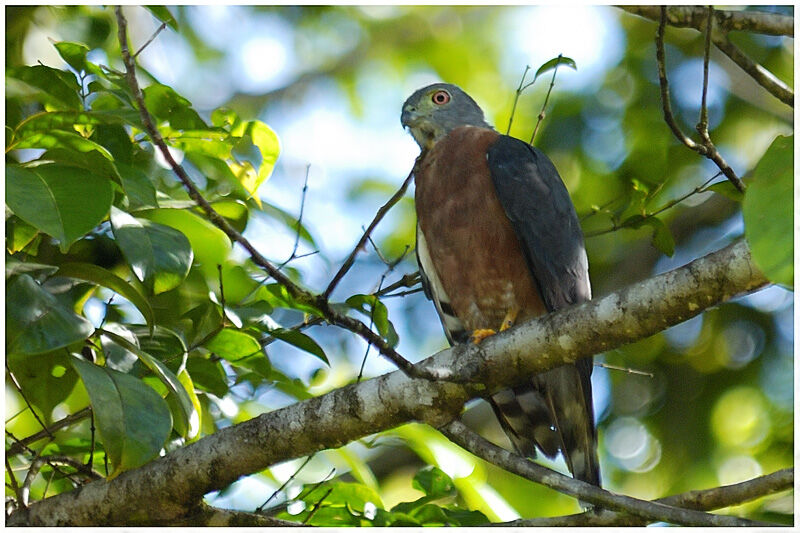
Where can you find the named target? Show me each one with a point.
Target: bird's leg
(511, 316)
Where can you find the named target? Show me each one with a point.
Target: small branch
(150, 40)
(299, 224)
(457, 432)
(13, 478)
(546, 99)
(317, 506)
(348, 263)
(696, 17)
(702, 125)
(283, 486)
(18, 446)
(672, 203)
(623, 369)
(517, 94)
(25, 399)
(706, 149)
(700, 500)
(762, 76)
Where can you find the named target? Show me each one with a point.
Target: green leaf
(162, 343)
(207, 142)
(189, 419)
(36, 322)
(767, 211)
(163, 14)
(662, 236)
(554, 63)
(235, 211)
(59, 139)
(208, 375)
(376, 310)
(232, 344)
(466, 518)
(266, 140)
(166, 104)
(158, 255)
(47, 379)
(433, 482)
(101, 276)
(210, 244)
(52, 198)
(73, 53)
(186, 380)
(138, 188)
(18, 234)
(300, 340)
(726, 188)
(61, 88)
(15, 267)
(277, 295)
(133, 421)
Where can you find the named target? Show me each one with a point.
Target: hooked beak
(409, 117)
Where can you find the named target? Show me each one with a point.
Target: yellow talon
(479, 334)
(510, 318)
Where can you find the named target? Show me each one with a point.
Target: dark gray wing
(544, 219)
(555, 409)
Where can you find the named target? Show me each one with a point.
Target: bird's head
(433, 111)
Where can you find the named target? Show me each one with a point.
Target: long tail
(554, 412)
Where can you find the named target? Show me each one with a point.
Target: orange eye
(440, 97)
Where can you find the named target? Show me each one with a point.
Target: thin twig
(299, 294)
(540, 118)
(348, 263)
(150, 40)
(516, 98)
(283, 486)
(18, 446)
(702, 125)
(317, 506)
(624, 369)
(299, 224)
(457, 432)
(25, 399)
(13, 479)
(672, 203)
(699, 500)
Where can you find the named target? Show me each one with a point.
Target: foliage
(123, 296)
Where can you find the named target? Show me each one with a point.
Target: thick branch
(696, 17)
(173, 485)
(701, 500)
(650, 511)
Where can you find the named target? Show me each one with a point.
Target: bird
(499, 242)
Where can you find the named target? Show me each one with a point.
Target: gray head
(433, 111)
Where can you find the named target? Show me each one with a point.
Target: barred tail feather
(554, 413)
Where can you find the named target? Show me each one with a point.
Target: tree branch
(171, 486)
(762, 76)
(696, 17)
(705, 500)
(19, 445)
(457, 432)
(362, 242)
(706, 148)
(724, 22)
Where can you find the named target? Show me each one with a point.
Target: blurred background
(718, 405)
